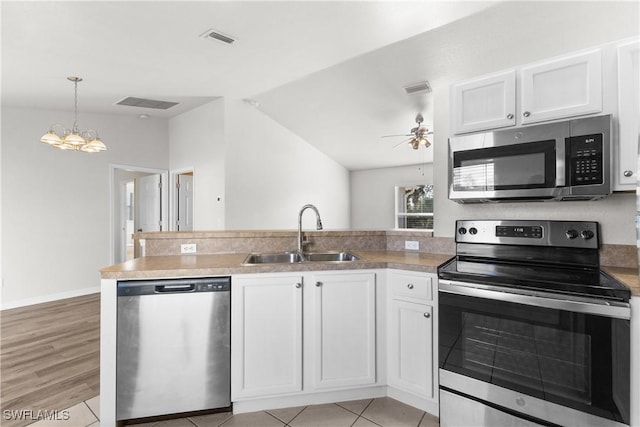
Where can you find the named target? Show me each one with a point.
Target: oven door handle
(619, 310)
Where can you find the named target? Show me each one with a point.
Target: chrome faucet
(318, 224)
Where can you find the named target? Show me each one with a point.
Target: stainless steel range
(531, 331)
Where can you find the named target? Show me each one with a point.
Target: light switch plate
(412, 245)
(188, 248)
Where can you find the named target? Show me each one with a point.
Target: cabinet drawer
(412, 285)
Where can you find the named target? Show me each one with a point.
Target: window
(414, 207)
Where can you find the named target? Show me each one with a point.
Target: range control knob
(473, 231)
(587, 234)
(571, 234)
(462, 230)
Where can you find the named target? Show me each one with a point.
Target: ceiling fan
(418, 135)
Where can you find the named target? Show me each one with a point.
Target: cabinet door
(628, 115)
(410, 348)
(344, 329)
(484, 103)
(266, 335)
(564, 87)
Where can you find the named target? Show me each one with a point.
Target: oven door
(547, 359)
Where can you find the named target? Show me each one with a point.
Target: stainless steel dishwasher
(173, 346)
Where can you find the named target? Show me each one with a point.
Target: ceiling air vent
(418, 87)
(217, 35)
(130, 101)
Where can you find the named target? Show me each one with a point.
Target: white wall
(55, 204)
(197, 139)
(271, 173)
(491, 41)
(372, 193)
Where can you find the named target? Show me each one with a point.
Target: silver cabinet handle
(427, 315)
(628, 173)
(526, 114)
(509, 116)
(298, 285)
(410, 286)
(318, 284)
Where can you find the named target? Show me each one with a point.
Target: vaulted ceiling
(154, 50)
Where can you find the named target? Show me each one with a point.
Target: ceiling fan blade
(403, 142)
(389, 136)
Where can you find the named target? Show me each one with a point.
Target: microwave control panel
(584, 158)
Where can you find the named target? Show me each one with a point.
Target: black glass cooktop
(580, 281)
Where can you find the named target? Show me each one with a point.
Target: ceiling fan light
(51, 138)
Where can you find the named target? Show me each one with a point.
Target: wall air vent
(418, 87)
(217, 35)
(130, 101)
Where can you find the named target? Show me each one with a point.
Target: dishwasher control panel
(173, 286)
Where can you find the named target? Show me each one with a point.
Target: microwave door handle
(561, 166)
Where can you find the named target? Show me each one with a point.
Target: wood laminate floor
(49, 357)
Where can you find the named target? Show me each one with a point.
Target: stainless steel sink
(275, 258)
(294, 257)
(331, 256)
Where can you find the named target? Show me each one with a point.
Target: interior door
(185, 202)
(149, 201)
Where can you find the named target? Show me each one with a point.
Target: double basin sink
(295, 257)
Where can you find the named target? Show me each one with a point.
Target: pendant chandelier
(74, 139)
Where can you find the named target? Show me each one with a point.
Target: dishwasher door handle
(175, 288)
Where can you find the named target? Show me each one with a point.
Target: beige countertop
(628, 276)
(231, 263)
(223, 264)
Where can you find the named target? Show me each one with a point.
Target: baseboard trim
(49, 298)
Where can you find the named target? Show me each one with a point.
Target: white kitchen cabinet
(301, 333)
(266, 337)
(554, 89)
(411, 333)
(625, 171)
(561, 87)
(410, 347)
(482, 103)
(344, 329)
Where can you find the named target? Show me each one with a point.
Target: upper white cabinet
(266, 338)
(628, 116)
(561, 87)
(344, 329)
(484, 103)
(564, 87)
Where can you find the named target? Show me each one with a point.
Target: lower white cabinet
(294, 333)
(266, 335)
(410, 347)
(411, 332)
(343, 321)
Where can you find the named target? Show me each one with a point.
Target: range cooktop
(560, 257)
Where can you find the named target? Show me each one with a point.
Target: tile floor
(385, 412)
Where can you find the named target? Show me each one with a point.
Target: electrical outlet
(188, 248)
(412, 245)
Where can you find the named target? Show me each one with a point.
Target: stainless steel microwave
(568, 160)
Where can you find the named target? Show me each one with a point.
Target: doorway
(139, 203)
(182, 199)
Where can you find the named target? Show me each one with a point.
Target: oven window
(572, 359)
(539, 358)
(530, 165)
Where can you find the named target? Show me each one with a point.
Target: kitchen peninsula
(392, 282)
